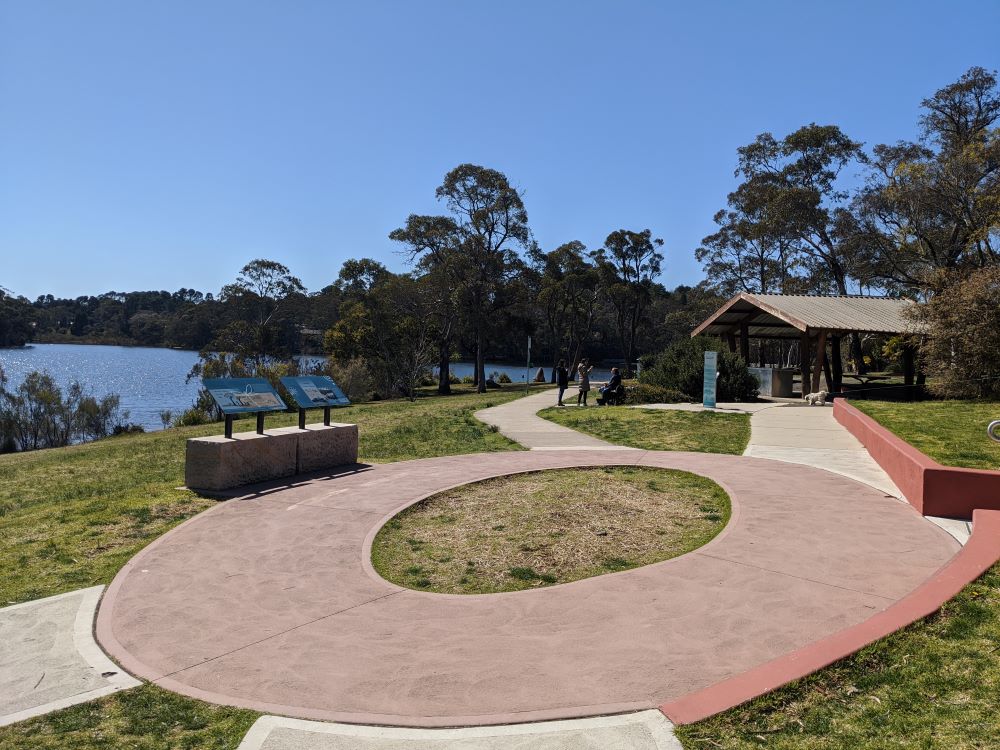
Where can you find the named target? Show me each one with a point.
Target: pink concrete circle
(270, 601)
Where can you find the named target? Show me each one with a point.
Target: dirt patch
(543, 528)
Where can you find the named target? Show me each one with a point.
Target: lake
(152, 380)
(148, 380)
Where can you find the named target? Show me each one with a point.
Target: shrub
(645, 393)
(468, 380)
(961, 355)
(353, 378)
(681, 367)
(192, 417)
(503, 378)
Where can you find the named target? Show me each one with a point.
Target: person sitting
(611, 391)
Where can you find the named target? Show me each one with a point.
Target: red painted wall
(931, 488)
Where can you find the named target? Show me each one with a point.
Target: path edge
(974, 559)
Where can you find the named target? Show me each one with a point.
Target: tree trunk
(480, 363)
(444, 370)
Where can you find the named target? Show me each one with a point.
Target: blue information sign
(711, 373)
(315, 390)
(243, 395)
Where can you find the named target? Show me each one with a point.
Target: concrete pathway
(519, 421)
(48, 657)
(646, 730)
(271, 602)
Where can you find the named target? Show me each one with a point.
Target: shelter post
(820, 359)
(804, 361)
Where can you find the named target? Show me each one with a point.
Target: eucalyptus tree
(477, 248)
(568, 288)
(629, 263)
(261, 306)
(742, 257)
(933, 206)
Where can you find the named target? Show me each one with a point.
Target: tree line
(814, 212)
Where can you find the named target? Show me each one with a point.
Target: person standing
(562, 380)
(583, 372)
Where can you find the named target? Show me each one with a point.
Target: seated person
(609, 392)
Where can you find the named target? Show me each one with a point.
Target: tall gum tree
(629, 263)
(479, 246)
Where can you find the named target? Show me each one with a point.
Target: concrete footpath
(48, 657)
(519, 421)
(645, 730)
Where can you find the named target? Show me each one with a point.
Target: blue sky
(155, 145)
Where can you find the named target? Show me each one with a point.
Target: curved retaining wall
(931, 488)
(980, 552)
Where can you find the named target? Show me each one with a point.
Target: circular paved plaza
(270, 601)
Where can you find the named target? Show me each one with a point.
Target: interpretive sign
(711, 373)
(310, 391)
(243, 395)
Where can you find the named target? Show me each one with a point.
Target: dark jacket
(616, 380)
(562, 377)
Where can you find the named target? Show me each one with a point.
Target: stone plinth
(323, 446)
(216, 463)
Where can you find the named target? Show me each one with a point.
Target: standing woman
(584, 373)
(562, 380)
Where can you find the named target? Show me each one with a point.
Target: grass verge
(951, 432)
(658, 429)
(530, 530)
(144, 718)
(933, 685)
(71, 517)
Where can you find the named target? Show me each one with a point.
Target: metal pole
(260, 423)
(229, 426)
(302, 419)
(326, 416)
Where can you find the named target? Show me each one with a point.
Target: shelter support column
(731, 341)
(745, 342)
(820, 358)
(804, 361)
(837, 362)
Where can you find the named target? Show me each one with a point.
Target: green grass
(933, 685)
(542, 528)
(145, 718)
(658, 429)
(951, 432)
(71, 517)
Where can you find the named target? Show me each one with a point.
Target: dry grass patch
(538, 529)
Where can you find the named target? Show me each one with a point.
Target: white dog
(816, 398)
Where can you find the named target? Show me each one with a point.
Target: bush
(468, 380)
(503, 378)
(962, 353)
(644, 393)
(192, 417)
(353, 378)
(681, 368)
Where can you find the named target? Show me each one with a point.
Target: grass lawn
(71, 517)
(144, 718)
(658, 429)
(932, 686)
(548, 527)
(951, 432)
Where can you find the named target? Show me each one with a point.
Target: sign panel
(243, 395)
(711, 373)
(315, 390)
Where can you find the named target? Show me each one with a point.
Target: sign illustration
(243, 395)
(310, 391)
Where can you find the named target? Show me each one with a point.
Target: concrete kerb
(645, 730)
(81, 670)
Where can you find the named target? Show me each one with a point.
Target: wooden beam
(731, 340)
(820, 358)
(745, 341)
(804, 361)
(838, 364)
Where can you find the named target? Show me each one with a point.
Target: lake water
(148, 380)
(152, 380)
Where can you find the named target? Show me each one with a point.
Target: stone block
(216, 463)
(324, 446)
